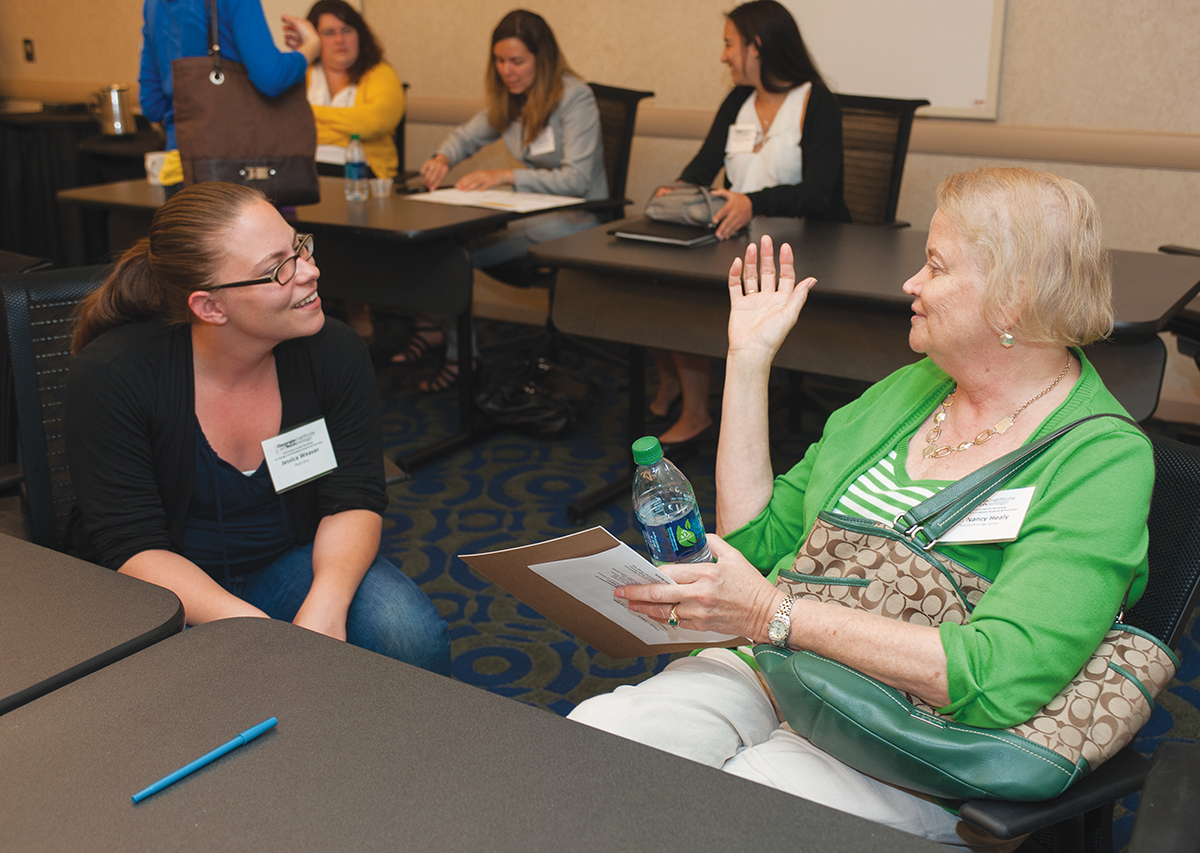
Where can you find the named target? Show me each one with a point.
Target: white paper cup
(154, 166)
(381, 187)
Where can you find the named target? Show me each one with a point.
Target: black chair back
(1174, 523)
(39, 319)
(875, 135)
(618, 116)
(398, 137)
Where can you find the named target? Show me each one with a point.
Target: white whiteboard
(945, 51)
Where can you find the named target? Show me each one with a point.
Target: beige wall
(1118, 79)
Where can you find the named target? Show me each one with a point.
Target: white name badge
(998, 519)
(299, 455)
(544, 144)
(741, 139)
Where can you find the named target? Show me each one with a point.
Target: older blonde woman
(1015, 283)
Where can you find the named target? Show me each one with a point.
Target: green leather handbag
(896, 572)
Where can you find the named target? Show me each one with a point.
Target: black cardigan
(131, 433)
(820, 195)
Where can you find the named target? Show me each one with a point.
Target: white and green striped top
(884, 491)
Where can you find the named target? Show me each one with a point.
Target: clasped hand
(729, 596)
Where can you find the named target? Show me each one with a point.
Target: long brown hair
(786, 62)
(370, 53)
(155, 277)
(535, 106)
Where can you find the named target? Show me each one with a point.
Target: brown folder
(510, 570)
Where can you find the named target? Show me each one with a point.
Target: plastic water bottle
(357, 188)
(665, 507)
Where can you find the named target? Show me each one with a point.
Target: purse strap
(708, 199)
(214, 44)
(933, 518)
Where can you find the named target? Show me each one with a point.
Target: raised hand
(765, 308)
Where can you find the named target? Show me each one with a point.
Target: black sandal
(420, 347)
(445, 379)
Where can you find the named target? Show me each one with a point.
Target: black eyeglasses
(283, 273)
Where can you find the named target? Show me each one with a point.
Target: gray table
(392, 252)
(62, 618)
(856, 322)
(369, 754)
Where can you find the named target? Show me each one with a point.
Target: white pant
(712, 708)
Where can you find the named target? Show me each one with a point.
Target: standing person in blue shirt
(778, 136)
(177, 28)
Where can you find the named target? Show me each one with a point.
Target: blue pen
(245, 737)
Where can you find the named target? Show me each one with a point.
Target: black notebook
(650, 231)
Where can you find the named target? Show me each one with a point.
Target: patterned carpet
(511, 490)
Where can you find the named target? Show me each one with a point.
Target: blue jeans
(389, 614)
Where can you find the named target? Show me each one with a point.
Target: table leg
(636, 420)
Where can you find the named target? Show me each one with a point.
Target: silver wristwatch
(780, 626)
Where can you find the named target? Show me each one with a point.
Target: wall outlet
(29, 50)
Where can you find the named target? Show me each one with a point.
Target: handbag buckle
(256, 173)
(912, 532)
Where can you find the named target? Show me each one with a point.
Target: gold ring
(673, 619)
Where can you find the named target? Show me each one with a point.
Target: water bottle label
(676, 541)
(356, 171)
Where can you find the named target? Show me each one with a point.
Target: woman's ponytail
(155, 277)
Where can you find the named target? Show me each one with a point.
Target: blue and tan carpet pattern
(511, 490)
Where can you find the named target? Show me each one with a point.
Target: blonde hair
(534, 106)
(1036, 238)
(155, 277)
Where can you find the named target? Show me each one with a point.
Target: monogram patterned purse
(895, 572)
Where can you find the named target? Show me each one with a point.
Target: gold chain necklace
(931, 438)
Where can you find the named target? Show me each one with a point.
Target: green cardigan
(1057, 588)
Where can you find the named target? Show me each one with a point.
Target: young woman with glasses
(205, 376)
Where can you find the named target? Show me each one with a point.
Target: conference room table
(855, 323)
(368, 754)
(391, 251)
(62, 618)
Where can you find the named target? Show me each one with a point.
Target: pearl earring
(1006, 340)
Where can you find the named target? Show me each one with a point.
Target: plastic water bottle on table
(357, 188)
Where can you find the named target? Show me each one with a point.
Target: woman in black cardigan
(224, 438)
(778, 136)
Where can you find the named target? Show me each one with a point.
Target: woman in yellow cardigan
(353, 91)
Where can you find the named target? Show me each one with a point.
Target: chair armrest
(11, 476)
(1166, 816)
(1121, 775)
(1179, 250)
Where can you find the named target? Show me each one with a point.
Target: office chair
(1081, 818)
(875, 134)
(39, 319)
(11, 262)
(398, 137)
(618, 116)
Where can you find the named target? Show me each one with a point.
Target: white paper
(998, 519)
(544, 144)
(299, 455)
(741, 139)
(497, 199)
(592, 580)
